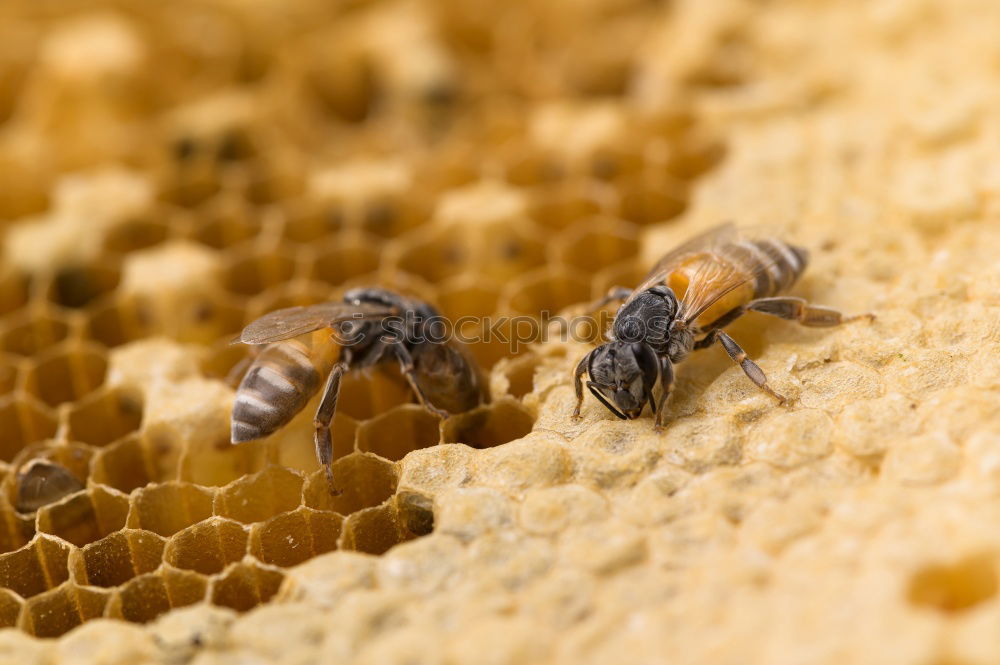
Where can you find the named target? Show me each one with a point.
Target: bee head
(622, 376)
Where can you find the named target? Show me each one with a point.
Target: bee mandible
(684, 303)
(369, 326)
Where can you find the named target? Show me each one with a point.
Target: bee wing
(704, 242)
(294, 321)
(720, 275)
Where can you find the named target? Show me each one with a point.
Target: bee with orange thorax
(684, 303)
(368, 327)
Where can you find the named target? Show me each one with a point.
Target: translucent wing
(294, 321)
(726, 268)
(721, 261)
(710, 239)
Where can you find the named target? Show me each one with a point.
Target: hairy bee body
(370, 326)
(768, 267)
(279, 382)
(683, 305)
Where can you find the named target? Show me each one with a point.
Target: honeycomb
(188, 190)
(171, 171)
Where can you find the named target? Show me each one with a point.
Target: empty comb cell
(365, 395)
(8, 374)
(118, 321)
(264, 183)
(104, 416)
(343, 257)
(190, 185)
(290, 538)
(11, 605)
(215, 463)
(166, 508)
(257, 497)
(224, 360)
(398, 431)
(308, 221)
(627, 273)
(495, 335)
(225, 222)
(207, 547)
(430, 254)
(451, 167)
(372, 530)
(365, 480)
(559, 207)
(244, 585)
(124, 465)
(516, 376)
(468, 296)
(66, 373)
(14, 290)
(389, 216)
(525, 165)
(651, 200)
(596, 244)
(58, 611)
(136, 234)
(489, 425)
(545, 290)
(116, 558)
(253, 271)
(36, 567)
(695, 153)
(16, 529)
(206, 319)
(78, 286)
(24, 420)
(148, 596)
(30, 333)
(86, 516)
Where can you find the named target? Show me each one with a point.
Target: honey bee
(41, 482)
(368, 327)
(684, 303)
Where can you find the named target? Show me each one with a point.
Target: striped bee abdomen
(786, 264)
(277, 386)
(776, 264)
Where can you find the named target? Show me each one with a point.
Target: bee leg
(667, 387)
(615, 293)
(406, 365)
(750, 368)
(705, 342)
(581, 369)
(323, 420)
(797, 309)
